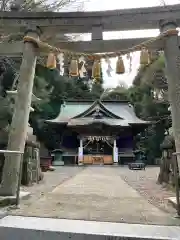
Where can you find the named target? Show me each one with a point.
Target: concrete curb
(18, 227)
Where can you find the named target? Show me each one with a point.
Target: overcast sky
(100, 5)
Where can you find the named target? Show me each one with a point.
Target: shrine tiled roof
(79, 113)
(72, 109)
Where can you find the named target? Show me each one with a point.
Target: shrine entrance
(98, 132)
(98, 150)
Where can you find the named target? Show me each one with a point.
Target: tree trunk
(19, 126)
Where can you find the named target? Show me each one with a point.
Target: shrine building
(99, 132)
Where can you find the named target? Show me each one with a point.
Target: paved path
(97, 193)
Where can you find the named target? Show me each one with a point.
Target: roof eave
(141, 123)
(96, 121)
(55, 122)
(89, 124)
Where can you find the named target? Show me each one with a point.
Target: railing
(19, 172)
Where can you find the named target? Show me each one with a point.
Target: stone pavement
(100, 194)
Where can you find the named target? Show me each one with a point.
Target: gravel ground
(50, 181)
(145, 183)
(100, 193)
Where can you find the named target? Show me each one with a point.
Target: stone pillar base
(80, 164)
(115, 164)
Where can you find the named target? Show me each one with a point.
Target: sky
(102, 5)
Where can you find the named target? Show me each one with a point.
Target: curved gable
(107, 112)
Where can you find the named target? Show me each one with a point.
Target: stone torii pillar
(172, 59)
(19, 125)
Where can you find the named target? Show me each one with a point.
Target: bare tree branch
(163, 2)
(37, 6)
(42, 5)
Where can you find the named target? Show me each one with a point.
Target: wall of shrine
(70, 140)
(125, 142)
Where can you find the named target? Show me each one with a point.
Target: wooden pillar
(80, 152)
(19, 125)
(115, 153)
(172, 59)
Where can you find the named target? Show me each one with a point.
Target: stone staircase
(28, 228)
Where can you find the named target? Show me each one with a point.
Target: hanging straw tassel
(129, 57)
(153, 56)
(60, 62)
(74, 68)
(109, 68)
(120, 69)
(51, 61)
(96, 69)
(80, 65)
(144, 56)
(89, 61)
(82, 70)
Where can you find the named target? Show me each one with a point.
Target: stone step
(28, 228)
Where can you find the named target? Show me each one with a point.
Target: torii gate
(45, 24)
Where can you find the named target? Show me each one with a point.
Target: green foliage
(7, 74)
(53, 89)
(96, 90)
(118, 93)
(148, 95)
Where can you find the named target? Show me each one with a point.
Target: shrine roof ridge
(97, 100)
